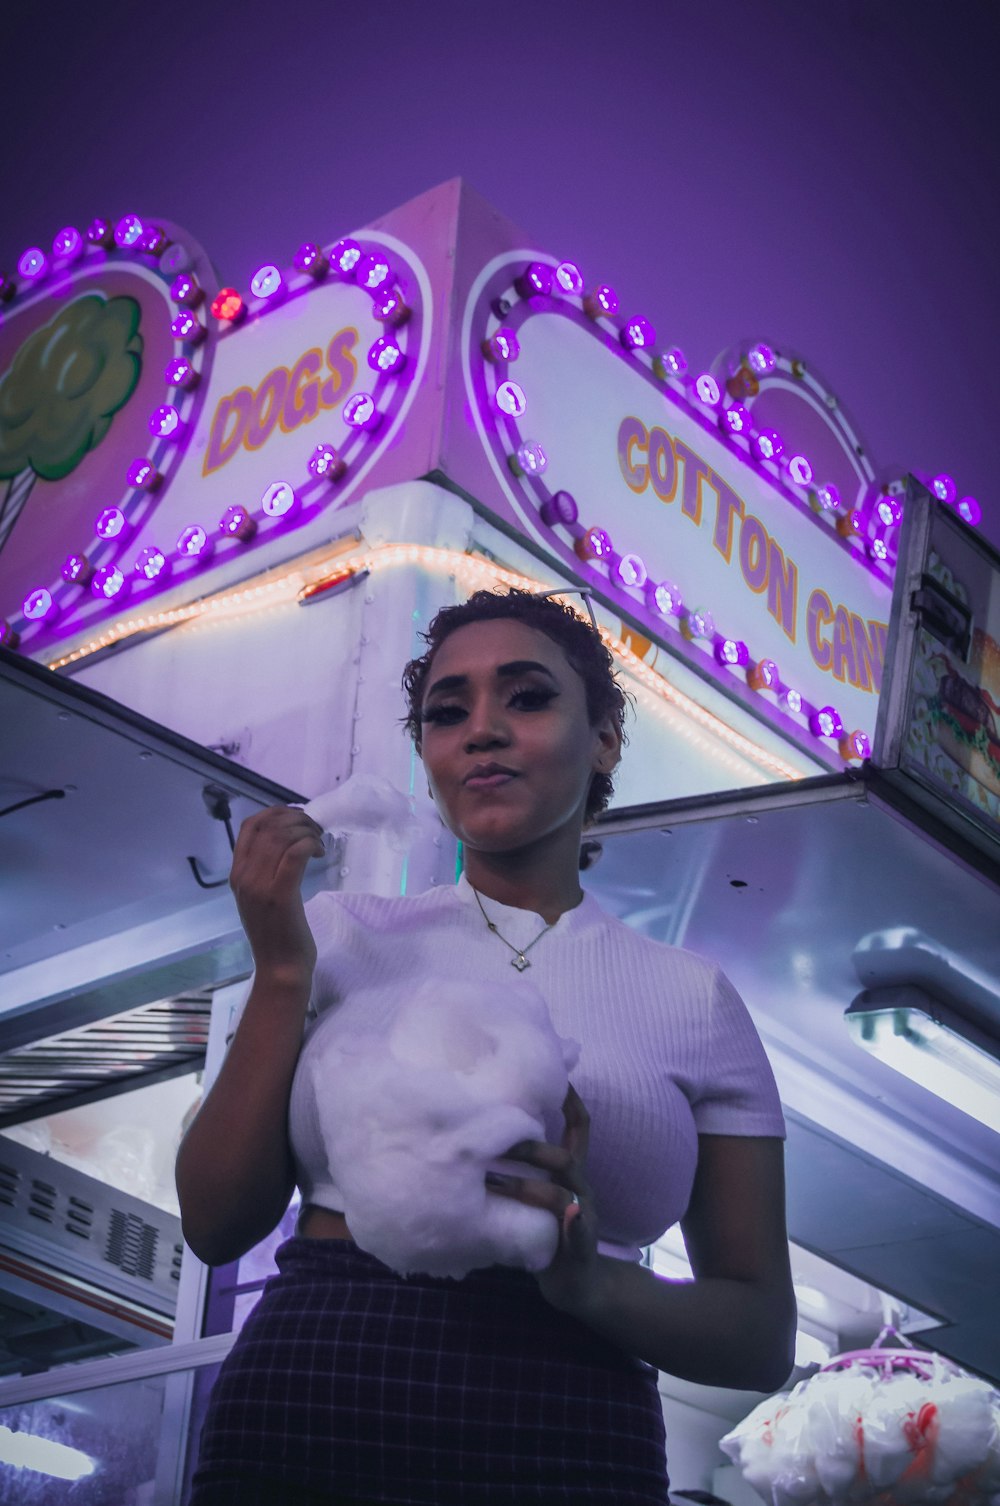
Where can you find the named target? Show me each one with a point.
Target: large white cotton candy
(413, 1115)
(856, 1436)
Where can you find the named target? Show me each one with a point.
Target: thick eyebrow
(508, 671)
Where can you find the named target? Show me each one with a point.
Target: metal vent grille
(132, 1244)
(127, 1051)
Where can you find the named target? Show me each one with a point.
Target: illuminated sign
(767, 564)
(151, 430)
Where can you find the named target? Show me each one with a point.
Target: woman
(349, 1383)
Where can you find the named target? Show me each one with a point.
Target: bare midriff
(322, 1223)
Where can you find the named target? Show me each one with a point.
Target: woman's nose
(486, 727)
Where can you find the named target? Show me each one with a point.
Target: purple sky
(823, 173)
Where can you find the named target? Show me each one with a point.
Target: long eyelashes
(528, 698)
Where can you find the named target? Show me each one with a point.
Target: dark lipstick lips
(485, 770)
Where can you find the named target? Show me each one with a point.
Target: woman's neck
(519, 881)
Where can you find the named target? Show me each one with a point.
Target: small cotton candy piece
(365, 803)
(413, 1114)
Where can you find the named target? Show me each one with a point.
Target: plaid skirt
(349, 1383)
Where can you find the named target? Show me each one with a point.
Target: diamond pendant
(520, 962)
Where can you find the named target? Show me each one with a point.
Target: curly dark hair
(579, 641)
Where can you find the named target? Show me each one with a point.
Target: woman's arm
(734, 1324)
(234, 1166)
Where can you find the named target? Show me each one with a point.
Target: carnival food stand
(228, 513)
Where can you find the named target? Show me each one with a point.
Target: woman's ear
(609, 746)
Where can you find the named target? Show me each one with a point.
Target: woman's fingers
(576, 1137)
(551, 1196)
(272, 850)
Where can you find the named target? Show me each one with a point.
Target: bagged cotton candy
(414, 1114)
(857, 1435)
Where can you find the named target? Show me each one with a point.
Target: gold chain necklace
(519, 959)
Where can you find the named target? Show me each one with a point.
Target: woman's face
(506, 742)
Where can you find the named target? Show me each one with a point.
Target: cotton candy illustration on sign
(61, 392)
(414, 1115)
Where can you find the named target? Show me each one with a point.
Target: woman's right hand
(272, 850)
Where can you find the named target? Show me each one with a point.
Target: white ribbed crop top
(668, 1049)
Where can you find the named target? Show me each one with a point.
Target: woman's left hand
(569, 1280)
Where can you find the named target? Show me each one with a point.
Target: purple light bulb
(278, 499)
(767, 445)
(237, 523)
(601, 303)
(324, 461)
(761, 360)
(193, 542)
(344, 257)
(944, 489)
(735, 419)
(825, 723)
(360, 412)
(638, 334)
(142, 473)
(151, 563)
(180, 373)
(529, 459)
(37, 604)
(969, 511)
(77, 570)
(792, 701)
(388, 308)
(372, 271)
(731, 652)
(68, 245)
(501, 346)
(185, 290)
(707, 391)
(165, 422)
(33, 264)
(630, 571)
(385, 355)
(128, 231)
(828, 498)
(698, 623)
(152, 241)
(266, 281)
(109, 523)
(535, 281)
(310, 259)
(107, 582)
(664, 598)
(186, 327)
(560, 508)
(594, 544)
(670, 364)
(569, 279)
(100, 232)
(889, 511)
(799, 470)
(510, 399)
